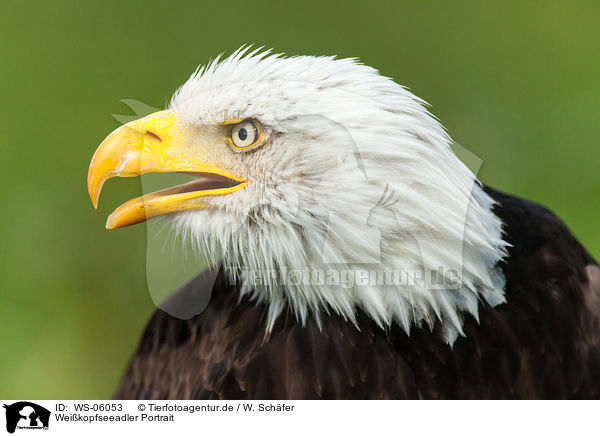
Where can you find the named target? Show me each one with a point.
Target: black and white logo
(26, 415)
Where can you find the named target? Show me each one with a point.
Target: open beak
(156, 144)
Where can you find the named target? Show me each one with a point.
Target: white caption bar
(297, 417)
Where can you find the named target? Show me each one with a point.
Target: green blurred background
(517, 83)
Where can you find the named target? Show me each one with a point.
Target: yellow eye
(245, 134)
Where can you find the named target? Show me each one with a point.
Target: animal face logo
(26, 415)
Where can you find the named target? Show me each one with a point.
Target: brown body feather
(543, 343)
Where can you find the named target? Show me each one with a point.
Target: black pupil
(243, 134)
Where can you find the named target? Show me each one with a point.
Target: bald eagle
(352, 254)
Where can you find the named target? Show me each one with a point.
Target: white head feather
(355, 175)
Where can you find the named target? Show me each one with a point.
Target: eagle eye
(245, 134)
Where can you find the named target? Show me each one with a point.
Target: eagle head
(329, 181)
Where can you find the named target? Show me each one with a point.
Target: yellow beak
(156, 144)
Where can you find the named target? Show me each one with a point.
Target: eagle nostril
(153, 136)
